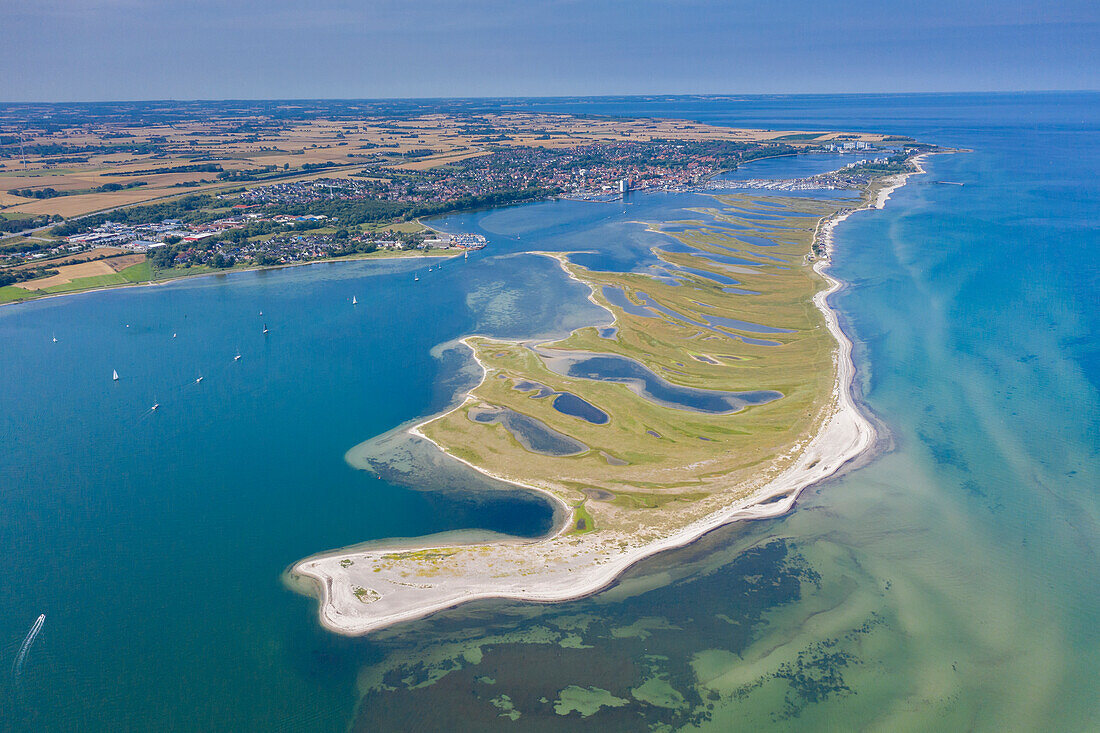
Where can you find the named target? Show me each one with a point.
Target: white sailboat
(114, 374)
(416, 278)
(466, 256)
(237, 357)
(55, 339)
(265, 328)
(173, 335)
(354, 301)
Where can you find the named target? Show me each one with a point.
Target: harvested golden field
(438, 160)
(118, 264)
(68, 273)
(92, 254)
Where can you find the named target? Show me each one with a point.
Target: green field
(138, 273)
(11, 294)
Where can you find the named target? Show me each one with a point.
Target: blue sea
(950, 583)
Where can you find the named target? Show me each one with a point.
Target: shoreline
(845, 435)
(258, 268)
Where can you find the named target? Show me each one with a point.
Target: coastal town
(327, 203)
(224, 243)
(288, 239)
(252, 234)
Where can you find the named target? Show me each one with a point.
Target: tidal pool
(534, 435)
(566, 403)
(570, 404)
(645, 383)
(758, 241)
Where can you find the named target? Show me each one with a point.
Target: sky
(98, 50)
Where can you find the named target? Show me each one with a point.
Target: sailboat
(354, 301)
(155, 406)
(416, 278)
(265, 328)
(466, 256)
(237, 357)
(55, 339)
(199, 380)
(114, 374)
(173, 335)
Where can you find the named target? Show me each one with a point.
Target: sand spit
(362, 591)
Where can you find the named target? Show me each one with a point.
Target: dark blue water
(570, 404)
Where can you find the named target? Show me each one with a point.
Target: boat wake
(21, 657)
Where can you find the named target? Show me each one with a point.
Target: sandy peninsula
(362, 591)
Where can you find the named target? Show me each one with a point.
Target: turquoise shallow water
(950, 584)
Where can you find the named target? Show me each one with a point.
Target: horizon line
(642, 95)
